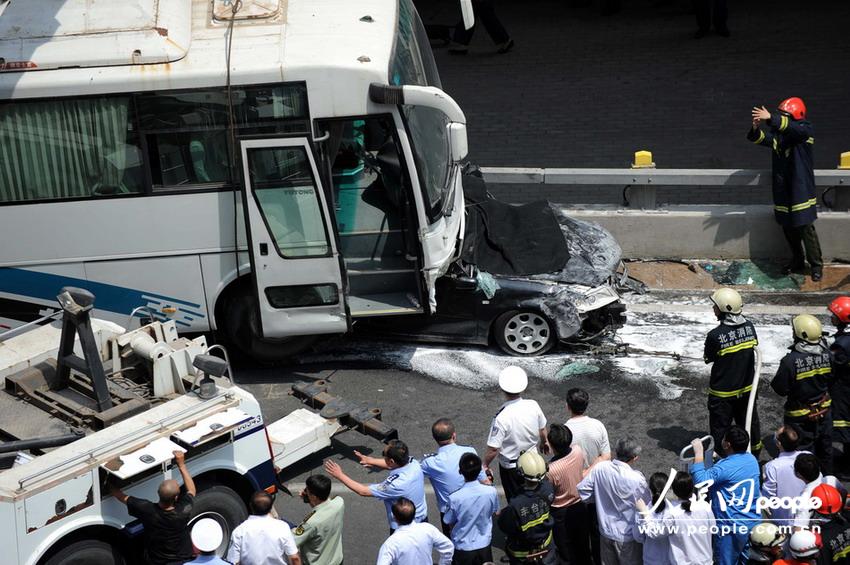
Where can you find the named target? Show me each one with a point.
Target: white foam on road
(478, 368)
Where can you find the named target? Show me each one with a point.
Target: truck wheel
(223, 505)
(242, 329)
(87, 552)
(523, 333)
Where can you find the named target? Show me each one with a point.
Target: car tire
(524, 333)
(242, 330)
(87, 552)
(223, 505)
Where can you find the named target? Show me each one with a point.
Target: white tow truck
(110, 404)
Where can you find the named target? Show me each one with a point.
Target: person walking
(686, 524)
(790, 136)
(207, 537)
(614, 486)
(730, 348)
(708, 12)
(519, 426)
(484, 12)
(166, 522)
(469, 515)
(527, 521)
(804, 377)
(591, 435)
(413, 543)
(404, 481)
(319, 535)
(262, 539)
(571, 531)
(734, 480)
(779, 478)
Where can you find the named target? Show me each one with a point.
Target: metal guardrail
(643, 182)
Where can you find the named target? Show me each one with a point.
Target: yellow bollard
(844, 161)
(643, 160)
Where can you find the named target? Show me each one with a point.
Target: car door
(294, 257)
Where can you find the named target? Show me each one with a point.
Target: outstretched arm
(334, 470)
(180, 459)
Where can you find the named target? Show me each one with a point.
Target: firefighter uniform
(804, 377)
(527, 525)
(840, 389)
(731, 348)
(794, 196)
(835, 536)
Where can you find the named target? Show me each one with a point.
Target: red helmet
(831, 501)
(795, 107)
(841, 308)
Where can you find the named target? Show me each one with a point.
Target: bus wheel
(87, 552)
(523, 333)
(222, 504)
(242, 329)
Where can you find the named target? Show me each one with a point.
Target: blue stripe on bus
(111, 298)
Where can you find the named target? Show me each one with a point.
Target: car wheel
(242, 329)
(222, 504)
(87, 552)
(524, 333)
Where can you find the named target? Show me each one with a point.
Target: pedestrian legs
(740, 409)
(795, 242)
(809, 237)
(572, 535)
(485, 13)
(621, 552)
(473, 557)
(593, 527)
(511, 481)
(720, 413)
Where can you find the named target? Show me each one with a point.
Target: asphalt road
(659, 400)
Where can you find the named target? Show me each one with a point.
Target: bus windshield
(413, 63)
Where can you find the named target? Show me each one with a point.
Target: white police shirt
(516, 428)
(412, 544)
(403, 482)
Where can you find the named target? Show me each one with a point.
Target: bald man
(167, 538)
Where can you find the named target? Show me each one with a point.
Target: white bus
(139, 138)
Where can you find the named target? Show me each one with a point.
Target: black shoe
(505, 47)
(700, 33)
(793, 267)
(817, 274)
(723, 32)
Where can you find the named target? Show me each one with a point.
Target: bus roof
(51, 48)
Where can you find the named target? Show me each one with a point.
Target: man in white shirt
(519, 426)
(780, 481)
(413, 543)
(261, 539)
(588, 433)
(614, 486)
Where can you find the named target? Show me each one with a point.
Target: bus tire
(223, 505)
(242, 329)
(87, 552)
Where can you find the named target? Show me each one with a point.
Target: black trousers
(447, 529)
(593, 527)
(473, 557)
(485, 13)
(804, 237)
(512, 482)
(816, 436)
(572, 533)
(723, 411)
(711, 9)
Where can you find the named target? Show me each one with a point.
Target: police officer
(519, 426)
(470, 512)
(526, 521)
(404, 481)
(731, 348)
(840, 388)
(804, 377)
(789, 135)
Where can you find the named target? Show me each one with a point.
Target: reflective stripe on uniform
(761, 137)
(729, 393)
(810, 140)
(783, 123)
(813, 372)
(843, 553)
(749, 344)
(527, 553)
(535, 522)
(797, 207)
(758, 446)
(840, 424)
(806, 411)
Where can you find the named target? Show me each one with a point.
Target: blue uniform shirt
(735, 489)
(443, 469)
(470, 511)
(406, 482)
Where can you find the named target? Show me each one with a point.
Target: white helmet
(513, 380)
(531, 466)
(766, 535)
(207, 535)
(803, 544)
(728, 300)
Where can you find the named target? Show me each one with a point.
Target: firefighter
(840, 315)
(789, 135)
(804, 377)
(731, 348)
(840, 388)
(526, 521)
